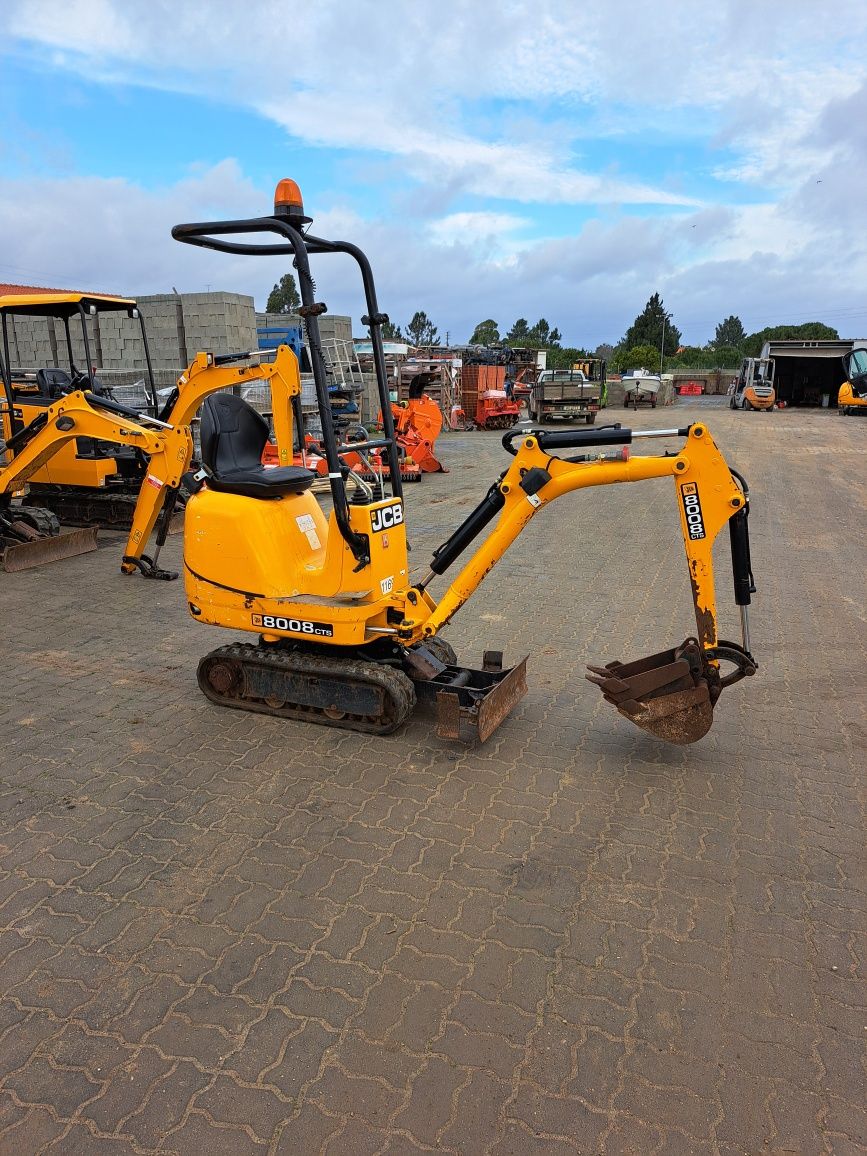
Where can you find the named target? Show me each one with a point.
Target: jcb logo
(692, 510)
(386, 517)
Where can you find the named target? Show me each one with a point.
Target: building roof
(10, 290)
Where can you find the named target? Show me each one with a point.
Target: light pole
(662, 346)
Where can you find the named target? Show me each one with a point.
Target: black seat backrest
(52, 382)
(233, 434)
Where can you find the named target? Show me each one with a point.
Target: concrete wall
(178, 326)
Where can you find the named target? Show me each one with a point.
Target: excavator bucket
(671, 694)
(38, 550)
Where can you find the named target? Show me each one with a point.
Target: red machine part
(417, 424)
(496, 410)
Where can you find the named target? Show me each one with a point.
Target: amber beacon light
(288, 201)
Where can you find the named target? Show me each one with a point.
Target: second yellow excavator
(343, 635)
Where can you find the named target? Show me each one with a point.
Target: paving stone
(224, 932)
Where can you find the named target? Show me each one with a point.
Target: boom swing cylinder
(345, 637)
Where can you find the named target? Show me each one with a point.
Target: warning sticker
(307, 525)
(153, 480)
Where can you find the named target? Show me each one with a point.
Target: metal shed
(808, 372)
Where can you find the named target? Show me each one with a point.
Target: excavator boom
(207, 374)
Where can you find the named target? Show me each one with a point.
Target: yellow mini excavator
(852, 397)
(343, 635)
(87, 481)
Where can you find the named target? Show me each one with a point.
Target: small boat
(640, 388)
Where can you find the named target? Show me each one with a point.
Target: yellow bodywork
(277, 568)
(847, 398)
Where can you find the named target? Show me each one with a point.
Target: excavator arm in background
(207, 374)
(77, 414)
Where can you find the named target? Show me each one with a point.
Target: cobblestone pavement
(228, 933)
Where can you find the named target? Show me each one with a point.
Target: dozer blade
(66, 544)
(471, 704)
(671, 695)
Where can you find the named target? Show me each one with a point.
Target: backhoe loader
(344, 636)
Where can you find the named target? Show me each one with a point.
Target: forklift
(342, 635)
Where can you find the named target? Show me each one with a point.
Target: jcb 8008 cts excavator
(344, 636)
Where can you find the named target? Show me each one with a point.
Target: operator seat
(53, 383)
(233, 436)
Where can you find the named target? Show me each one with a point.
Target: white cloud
(479, 105)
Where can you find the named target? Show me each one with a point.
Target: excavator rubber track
(348, 693)
(79, 506)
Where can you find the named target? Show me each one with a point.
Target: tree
(421, 330)
(809, 331)
(519, 332)
(485, 333)
(284, 298)
(636, 357)
(648, 328)
(604, 351)
(559, 358)
(540, 334)
(391, 332)
(730, 332)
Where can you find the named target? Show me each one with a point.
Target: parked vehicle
(640, 387)
(852, 397)
(564, 393)
(754, 388)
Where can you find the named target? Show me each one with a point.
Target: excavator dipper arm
(670, 694)
(86, 415)
(76, 415)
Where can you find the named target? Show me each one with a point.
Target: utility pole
(662, 346)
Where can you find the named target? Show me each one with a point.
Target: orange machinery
(483, 390)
